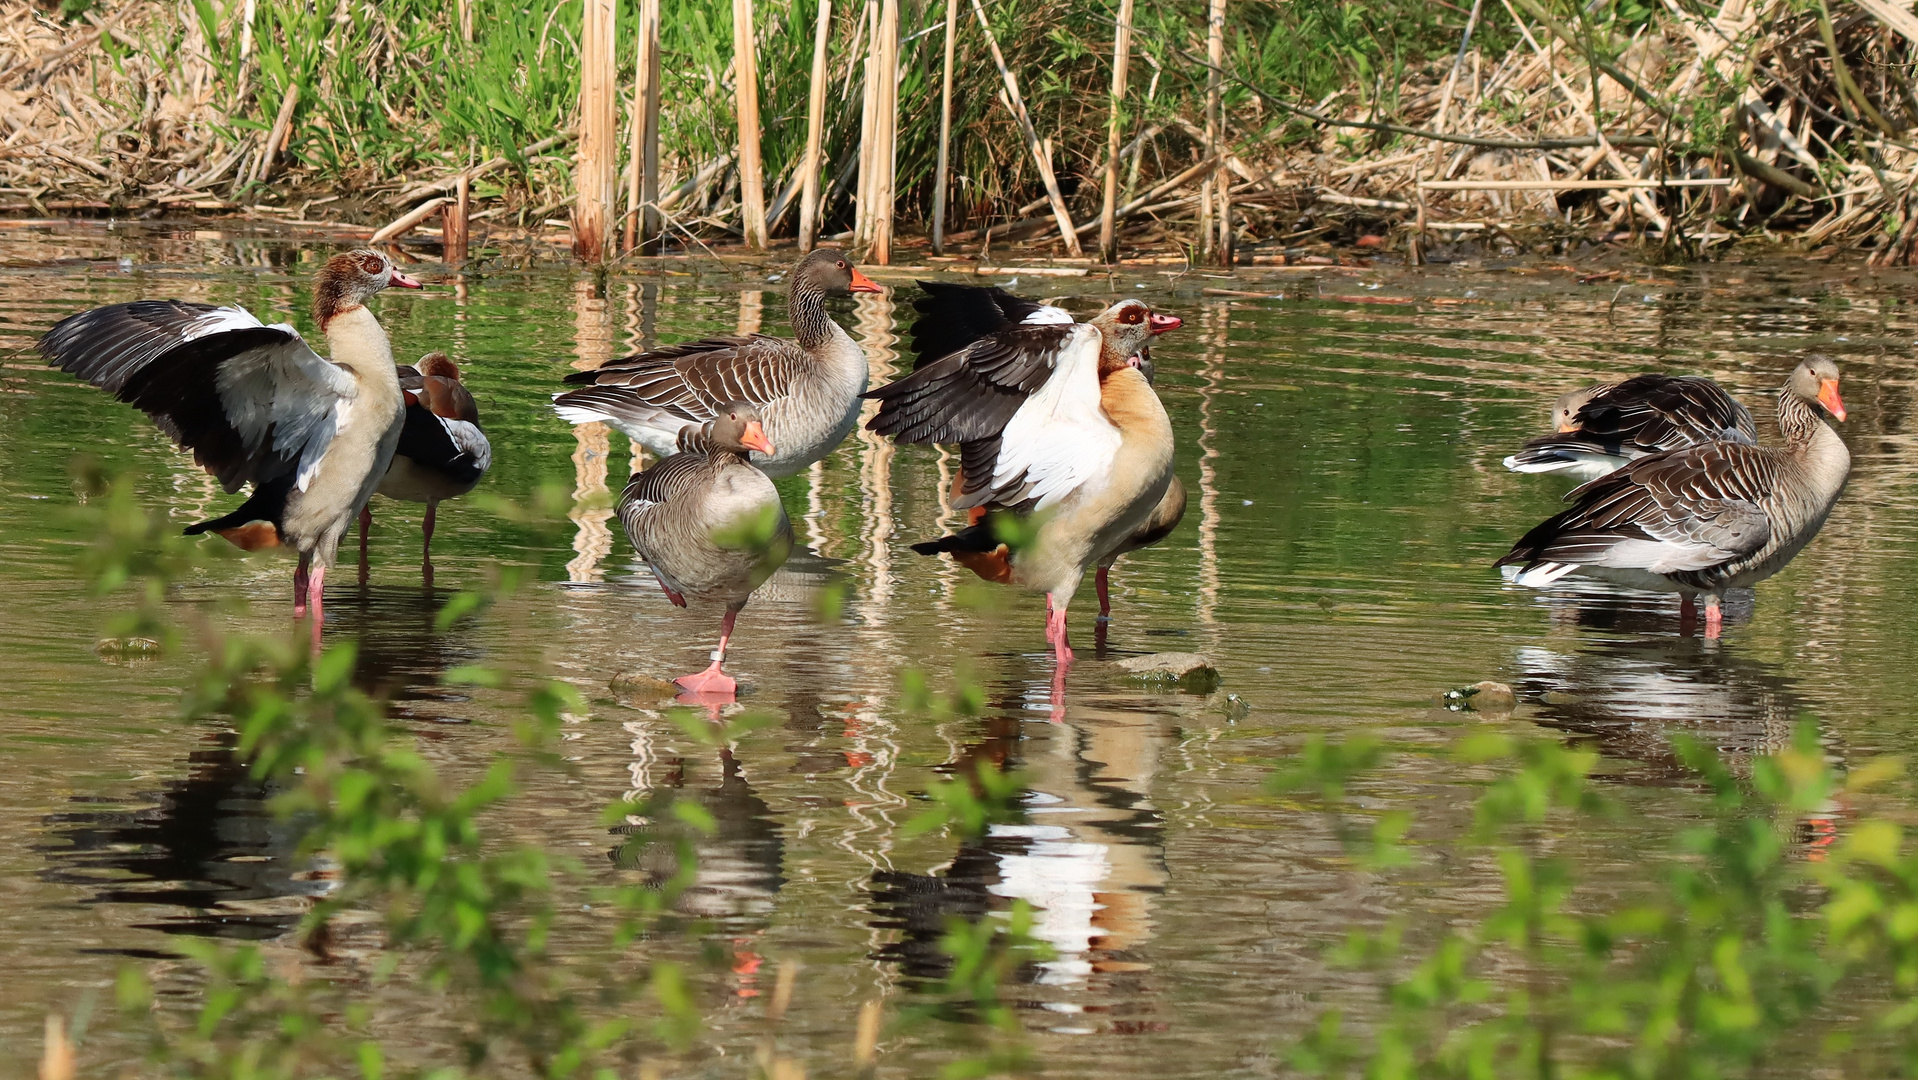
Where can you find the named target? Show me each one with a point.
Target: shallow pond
(1340, 432)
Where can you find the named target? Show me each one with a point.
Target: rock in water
(1487, 697)
(1190, 672)
(632, 686)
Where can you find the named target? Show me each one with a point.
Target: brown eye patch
(372, 264)
(1131, 315)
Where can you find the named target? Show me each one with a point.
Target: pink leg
(366, 521)
(426, 550)
(1105, 599)
(316, 591)
(299, 586)
(1714, 617)
(713, 680)
(1056, 632)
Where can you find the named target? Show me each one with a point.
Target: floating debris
(126, 648)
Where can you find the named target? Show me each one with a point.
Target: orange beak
(1828, 397)
(405, 282)
(755, 438)
(862, 283)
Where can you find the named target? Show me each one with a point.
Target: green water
(1341, 444)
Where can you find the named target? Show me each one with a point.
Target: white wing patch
(1047, 315)
(220, 320)
(1060, 439)
(470, 440)
(285, 392)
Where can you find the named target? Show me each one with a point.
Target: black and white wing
(1645, 414)
(252, 402)
(952, 317)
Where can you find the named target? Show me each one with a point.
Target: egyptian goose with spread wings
(1707, 518)
(806, 389)
(710, 524)
(442, 453)
(256, 405)
(1600, 428)
(1054, 425)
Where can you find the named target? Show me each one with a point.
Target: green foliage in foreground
(1742, 951)
(459, 910)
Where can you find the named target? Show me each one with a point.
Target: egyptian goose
(1053, 421)
(710, 524)
(1158, 525)
(1602, 427)
(807, 389)
(1707, 518)
(442, 452)
(257, 405)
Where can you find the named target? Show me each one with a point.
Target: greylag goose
(1158, 525)
(255, 404)
(710, 524)
(1707, 518)
(1055, 424)
(442, 452)
(1602, 427)
(807, 389)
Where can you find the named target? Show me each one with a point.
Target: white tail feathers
(1543, 574)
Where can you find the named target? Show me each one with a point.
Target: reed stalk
(816, 88)
(597, 181)
(1121, 60)
(1018, 107)
(885, 132)
(752, 178)
(941, 178)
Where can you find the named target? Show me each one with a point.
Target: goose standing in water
(255, 404)
(1701, 520)
(1158, 525)
(1057, 431)
(442, 453)
(1600, 428)
(807, 389)
(710, 524)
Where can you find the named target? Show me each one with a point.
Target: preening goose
(710, 524)
(1054, 425)
(1602, 427)
(807, 390)
(256, 405)
(442, 453)
(1707, 518)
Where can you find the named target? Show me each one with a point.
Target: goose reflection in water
(741, 864)
(1088, 857)
(1626, 685)
(205, 849)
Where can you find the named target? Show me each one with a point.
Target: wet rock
(1486, 697)
(630, 686)
(126, 648)
(1190, 672)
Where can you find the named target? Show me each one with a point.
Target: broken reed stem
(1033, 144)
(597, 177)
(752, 178)
(646, 89)
(282, 131)
(1109, 199)
(453, 221)
(1219, 248)
(940, 179)
(886, 132)
(815, 125)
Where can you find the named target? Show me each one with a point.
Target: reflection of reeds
(1215, 322)
(875, 329)
(592, 505)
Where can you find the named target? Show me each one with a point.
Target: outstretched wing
(952, 317)
(975, 392)
(251, 401)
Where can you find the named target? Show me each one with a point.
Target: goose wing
(1642, 415)
(660, 483)
(685, 382)
(252, 402)
(1673, 512)
(975, 392)
(952, 317)
(442, 431)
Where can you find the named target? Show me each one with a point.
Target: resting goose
(1707, 518)
(806, 389)
(1602, 427)
(710, 524)
(257, 405)
(442, 452)
(1054, 424)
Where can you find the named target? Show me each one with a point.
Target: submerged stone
(1190, 672)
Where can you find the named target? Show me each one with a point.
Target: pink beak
(1162, 323)
(404, 281)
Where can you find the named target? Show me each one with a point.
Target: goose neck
(1798, 422)
(356, 341)
(806, 309)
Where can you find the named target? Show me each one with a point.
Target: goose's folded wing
(457, 449)
(251, 401)
(659, 483)
(1661, 412)
(975, 392)
(952, 317)
(689, 381)
(1684, 510)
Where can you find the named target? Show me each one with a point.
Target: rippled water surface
(1340, 432)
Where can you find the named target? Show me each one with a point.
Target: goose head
(438, 364)
(828, 271)
(737, 428)
(350, 279)
(1127, 326)
(1565, 412)
(1816, 381)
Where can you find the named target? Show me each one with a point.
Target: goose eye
(372, 264)
(842, 266)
